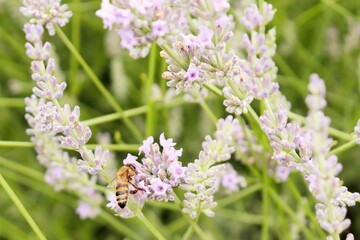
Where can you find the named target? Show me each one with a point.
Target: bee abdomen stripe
(121, 185)
(121, 192)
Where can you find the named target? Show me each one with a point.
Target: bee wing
(112, 183)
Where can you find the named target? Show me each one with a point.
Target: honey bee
(125, 177)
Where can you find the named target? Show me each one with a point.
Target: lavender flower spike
(46, 12)
(159, 171)
(204, 176)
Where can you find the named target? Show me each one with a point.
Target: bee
(124, 178)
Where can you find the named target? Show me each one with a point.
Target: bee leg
(136, 189)
(133, 191)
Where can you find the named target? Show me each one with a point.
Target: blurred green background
(312, 36)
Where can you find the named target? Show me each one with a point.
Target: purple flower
(159, 28)
(193, 73)
(158, 190)
(48, 13)
(33, 32)
(229, 180)
(253, 19)
(205, 37)
(128, 39)
(146, 147)
(93, 163)
(316, 99)
(220, 5)
(86, 210)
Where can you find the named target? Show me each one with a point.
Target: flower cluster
(306, 150)
(205, 174)
(46, 12)
(140, 23)
(158, 173)
(53, 126)
(62, 171)
(198, 59)
(253, 77)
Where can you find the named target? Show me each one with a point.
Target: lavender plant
(214, 57)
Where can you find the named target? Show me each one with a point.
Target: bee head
(132, 167)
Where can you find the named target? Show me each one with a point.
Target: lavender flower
(62, 171)
(46, 12)
(53, 125)
(158, 173)
(229, 180)
(140, 23)
(206, 173)
(253, 19)
(206, 50)
(306, 150)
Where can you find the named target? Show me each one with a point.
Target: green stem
(116, 147)
(130, 113)
(265, 202)
(98, 83)
(114, 116)
(242, 217)
(74, 64)
(21, 208)
(20, 168)
(213, 89)
(174, 56)
(295, 191)
(16, 144)
(341, 10)
(342, 148)
(280, 202)
(149, 226)
(237, 196)
(12, 41)
(150, 114)
(208, 111)
(118, 225)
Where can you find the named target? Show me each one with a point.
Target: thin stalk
(340, 9)
(74, 64)
(280, 202)
(242, 217)
(20, 168)
(342, 148)
(265, 202)
(114, 116)
(208, 111)
(133, 129)
(174, 56)
(149, 226)
(150, 114)
(118, 225)
(295, 191)
(16, 144)
(239, 195)
(12, 41)
(213, 89)
(130, 113)
(116, 147)
(21, 208)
